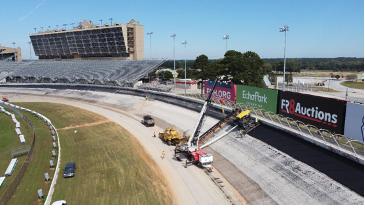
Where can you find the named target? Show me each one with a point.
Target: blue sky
(318, 28)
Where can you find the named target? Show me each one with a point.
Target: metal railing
(4, 199)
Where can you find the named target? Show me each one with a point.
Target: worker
(146, 97)
(154, 134)
(256, 121)
(163, 154)
(241, 134)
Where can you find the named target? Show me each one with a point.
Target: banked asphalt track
(340, 169)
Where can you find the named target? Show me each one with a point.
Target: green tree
(254, 72)
(288, 78)
(246, 69)
(351, 77)
(166, 75)
(181, 73)
(267, 67)
(272, 77)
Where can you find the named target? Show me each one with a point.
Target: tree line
(294, 64)
(235, 67)
(332, 64)
(249, 69)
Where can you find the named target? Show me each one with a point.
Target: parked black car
(69, 170)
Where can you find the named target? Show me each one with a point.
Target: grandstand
(110, 55)
(7, 53)
(102, 72)
(91, 41)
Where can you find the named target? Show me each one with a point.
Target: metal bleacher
(104, 72)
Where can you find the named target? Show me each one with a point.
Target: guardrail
(4, 199)
(54, 180)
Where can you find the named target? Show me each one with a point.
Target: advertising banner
(354, 121)
(322, 112)
(257, 97)
(224, 91)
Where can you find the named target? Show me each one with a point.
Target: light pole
(14, 51)
(57, 27)
(284, 29)
(35, 30)
(185, 42)
(150, 33)
(30, 50)
(72, 25)
(2, 56)
(226, 37)
(65, 26)
(174, 35)
(111, 21)
(42, 29)
(101, 22)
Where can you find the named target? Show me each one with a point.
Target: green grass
(8, 140)
(354, 85)
(322, 73)
(112, 167)
(110, 170)
(27, 191)
(325, 90)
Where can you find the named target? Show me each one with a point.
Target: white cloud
(32, 11)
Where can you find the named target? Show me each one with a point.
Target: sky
(317, 28)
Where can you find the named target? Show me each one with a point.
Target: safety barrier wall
(55, 177)
(354, 121)
(4, 199)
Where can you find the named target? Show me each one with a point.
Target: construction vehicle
(172, 137)
(148, 120)
(191, 147)
(5, 99)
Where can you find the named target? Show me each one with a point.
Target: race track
(276, 177)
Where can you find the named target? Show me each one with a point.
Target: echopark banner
(224, 91)
(322, 112)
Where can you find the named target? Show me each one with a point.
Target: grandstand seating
(102, 72)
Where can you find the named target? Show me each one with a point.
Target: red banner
(223, 91)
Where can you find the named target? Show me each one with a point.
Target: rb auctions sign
(321, 112)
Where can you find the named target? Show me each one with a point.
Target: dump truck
(148, 120)
(172, 137)
(5, 99)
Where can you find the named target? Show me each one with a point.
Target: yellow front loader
(172, 137)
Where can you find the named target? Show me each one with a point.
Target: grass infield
(112, 166)
(354, 85)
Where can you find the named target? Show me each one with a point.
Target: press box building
(91, 41)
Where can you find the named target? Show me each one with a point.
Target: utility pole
(284, 29)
